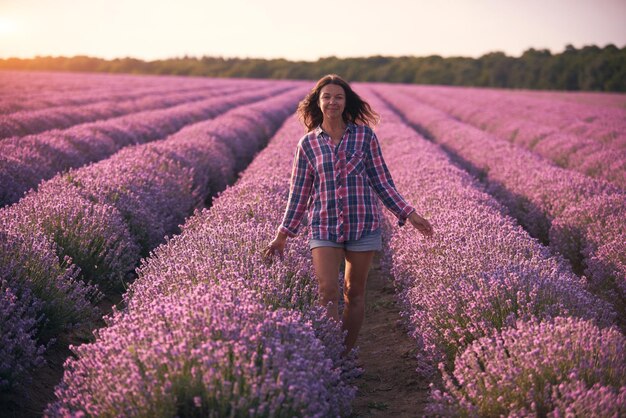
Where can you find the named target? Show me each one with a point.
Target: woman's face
(332, 101)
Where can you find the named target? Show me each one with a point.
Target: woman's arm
(382, 183)
(299, 191)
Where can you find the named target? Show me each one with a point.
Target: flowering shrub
(214, 351)
(19, 351)
(577, 136)
(219, 253)
(556, 368)
(30, 122)
(481, 271)
(595, 229)
(103, 216)
(38, 299)
(30, 266)
(93, 235)
(25, 161)
(28, 91)
(536, 193)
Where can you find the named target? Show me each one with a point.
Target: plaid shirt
(338, 185)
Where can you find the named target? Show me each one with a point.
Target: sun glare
(7, 26)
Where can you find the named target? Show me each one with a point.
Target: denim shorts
(368, 242)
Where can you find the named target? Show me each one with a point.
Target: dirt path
(389, 386)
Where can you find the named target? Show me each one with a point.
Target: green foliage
(588, 68)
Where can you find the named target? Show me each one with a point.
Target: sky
(304, 30)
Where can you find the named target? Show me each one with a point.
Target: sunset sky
(298, 30)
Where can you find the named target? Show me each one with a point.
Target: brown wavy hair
(357, 110)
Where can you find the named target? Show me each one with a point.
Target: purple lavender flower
(538, 368)
(221, 249)
(19, 320)
(25, 161)
(93, 235)
(541, 196)
(30, 264)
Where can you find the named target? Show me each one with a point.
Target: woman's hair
(357, 110)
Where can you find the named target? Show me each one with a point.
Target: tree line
(587, 68)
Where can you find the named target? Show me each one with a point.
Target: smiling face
(332, 101)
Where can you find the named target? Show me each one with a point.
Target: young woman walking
(338, 176)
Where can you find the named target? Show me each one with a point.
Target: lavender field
(134, 211)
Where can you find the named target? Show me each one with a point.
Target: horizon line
(192, 56)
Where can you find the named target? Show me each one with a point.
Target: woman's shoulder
(362, 127)
(307, 138)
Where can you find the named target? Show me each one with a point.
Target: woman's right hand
(276, 246)
(421, 224)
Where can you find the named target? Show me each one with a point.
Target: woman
(337, 172)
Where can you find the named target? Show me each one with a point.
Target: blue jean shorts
(370, 242)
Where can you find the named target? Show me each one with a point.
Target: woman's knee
(329, 292)
(354, 295)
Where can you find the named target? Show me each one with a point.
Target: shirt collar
(350, 127)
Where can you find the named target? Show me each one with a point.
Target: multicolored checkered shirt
(340, 186)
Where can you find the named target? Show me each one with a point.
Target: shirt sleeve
(382, 183)
(299, 192)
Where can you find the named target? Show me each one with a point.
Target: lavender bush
(152, 192)
(19, 320)
(101, 214)
(518, 111)
(593, 98)
(215, 351)
(218, 250)
(38, 299)
(29, 262)
(593, 231)
(29, 91)
(535, 192)
(481, 271)
(563, 367)
(25, 161)
(32, 122)
(95, 236)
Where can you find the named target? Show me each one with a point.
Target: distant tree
(588, 68)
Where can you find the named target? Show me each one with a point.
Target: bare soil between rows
(389, 386)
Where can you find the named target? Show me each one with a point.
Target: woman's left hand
(421, 224)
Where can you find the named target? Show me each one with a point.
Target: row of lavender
(602, 124)
(593, 98)
(584, 138)
(29, 122)
(26, 161)
(83, 232)
(212, 329)
(581, 218)
(513, 331)
(24, 90)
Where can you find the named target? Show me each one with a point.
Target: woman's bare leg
(326, 262)
(357, 268)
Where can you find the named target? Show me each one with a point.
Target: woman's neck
(333, 125)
